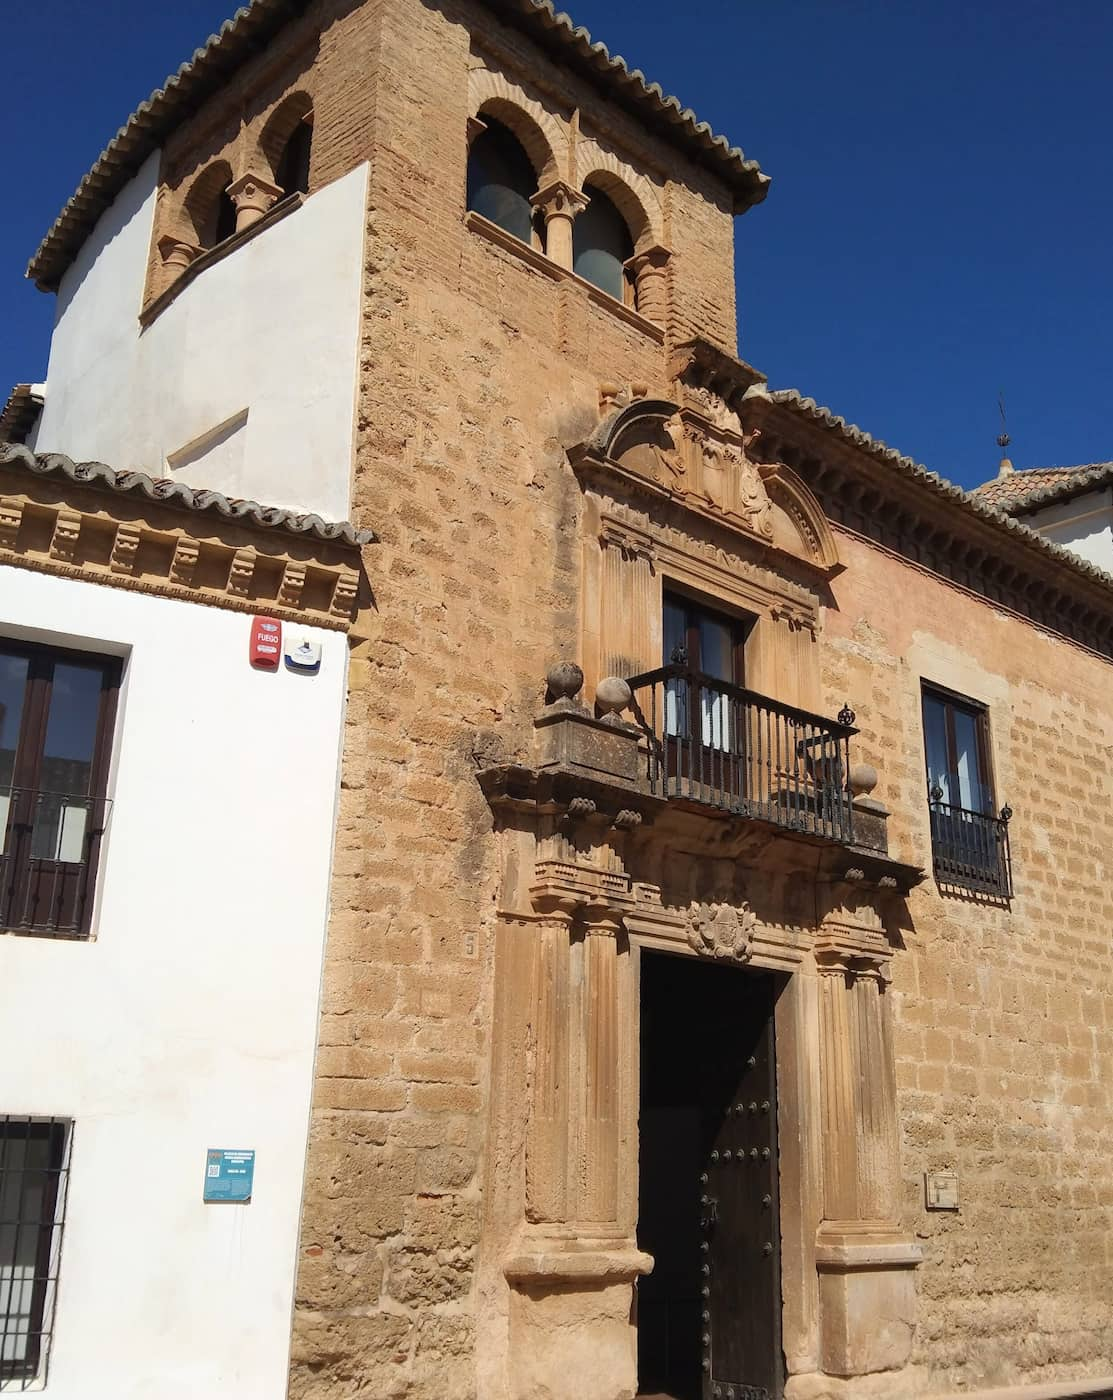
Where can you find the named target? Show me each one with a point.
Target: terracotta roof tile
(177, 493)
(1034, 487)
(253, 26)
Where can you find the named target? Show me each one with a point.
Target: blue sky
(938, 228)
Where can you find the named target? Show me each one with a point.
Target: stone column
(560, 203)
(547, 1148)
(601, 1075)
(865, 1261)
(252, 196)
(837, 1068)
(878, 1148)
(651, 283)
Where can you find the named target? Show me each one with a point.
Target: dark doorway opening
(709, 1313)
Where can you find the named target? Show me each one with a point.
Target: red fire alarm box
(266, 643)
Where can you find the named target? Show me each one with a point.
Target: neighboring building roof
(968, 500)
(1021, 492)
(177, 493)
(18, 415)
(241, 37)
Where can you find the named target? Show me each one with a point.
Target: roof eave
(251, 27)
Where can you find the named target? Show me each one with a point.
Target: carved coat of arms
(722, 931)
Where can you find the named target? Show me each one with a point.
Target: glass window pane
(935, 740)
(675, 629)
(716, 648)
(71, 728)
(971, 793)
(13, 684)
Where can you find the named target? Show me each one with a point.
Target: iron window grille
(34, 1175)
(56, 715)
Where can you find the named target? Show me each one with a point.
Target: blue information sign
(229, 1176)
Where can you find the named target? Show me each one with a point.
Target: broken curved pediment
(701, 459)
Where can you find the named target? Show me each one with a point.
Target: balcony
(970, 850)
(48, 861)
(719, 745)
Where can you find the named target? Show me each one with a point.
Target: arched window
(601, 243)
(501, 179)
(292, 171)
(210, 210)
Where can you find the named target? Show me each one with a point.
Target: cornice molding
(987, 554)
(153, 550)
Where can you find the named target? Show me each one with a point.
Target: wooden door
(739, 1219)
(709, 1314)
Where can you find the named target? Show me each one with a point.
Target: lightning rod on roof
(1004, 467)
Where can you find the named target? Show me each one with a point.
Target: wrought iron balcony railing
(970, 850)
(48, 859)
(723, 746)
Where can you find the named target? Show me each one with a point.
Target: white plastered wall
(1083, 525)
(272, 329)
(190, 1020)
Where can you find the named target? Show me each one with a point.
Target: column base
(572, 1332)
(867, 1296)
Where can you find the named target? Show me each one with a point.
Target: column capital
(556, 907)
(253, 196)
(649, 259)
(560, 200)
(601, 921)
(832, 965)
(175, 251)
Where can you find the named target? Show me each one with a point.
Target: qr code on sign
(214, 1169)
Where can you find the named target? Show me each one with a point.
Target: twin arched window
(501, 183)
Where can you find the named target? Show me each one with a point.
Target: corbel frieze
(305, 581)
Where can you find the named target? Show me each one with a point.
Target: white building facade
(172, 690)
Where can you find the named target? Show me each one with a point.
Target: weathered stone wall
(1003, 1013)
(477, 368)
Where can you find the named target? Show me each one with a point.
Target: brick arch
(539, 131)
(633, 195)
(201, 205)
(280, 125)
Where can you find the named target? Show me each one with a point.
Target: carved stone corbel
(125, 548)
(67, 531)
(11, 517)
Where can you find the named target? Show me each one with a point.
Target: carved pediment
(698, 455)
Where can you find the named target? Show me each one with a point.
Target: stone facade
(538, 459)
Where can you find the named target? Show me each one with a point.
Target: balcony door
(704, 738)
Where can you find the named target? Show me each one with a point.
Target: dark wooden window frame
(740, 625)
(17, 867)
(970, 847)
(980, 714)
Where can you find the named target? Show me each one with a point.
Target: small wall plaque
(941, 1190)
(229, 1175)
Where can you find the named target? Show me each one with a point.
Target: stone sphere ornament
(613, 695)
(565, 680)
(863, 778)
